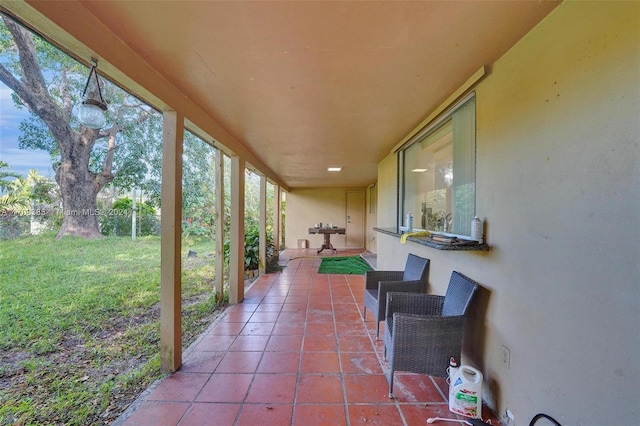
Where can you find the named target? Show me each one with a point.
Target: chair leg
(391, 383)
(364, 314)
(377, 330)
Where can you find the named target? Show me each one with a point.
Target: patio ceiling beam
(70, 26)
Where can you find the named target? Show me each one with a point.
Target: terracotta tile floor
(295, 352)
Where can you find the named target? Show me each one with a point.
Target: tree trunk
(79, 188)
(80, 213)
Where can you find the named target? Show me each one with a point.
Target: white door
(355, 219)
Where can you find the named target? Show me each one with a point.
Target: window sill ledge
(459, 245)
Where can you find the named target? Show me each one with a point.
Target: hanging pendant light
(91, 112)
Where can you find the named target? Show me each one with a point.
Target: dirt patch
(104, 369)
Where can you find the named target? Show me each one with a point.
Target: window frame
(431, 128)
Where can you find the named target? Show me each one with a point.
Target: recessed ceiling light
(419, 170)
(334, 169)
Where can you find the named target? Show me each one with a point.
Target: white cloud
(10, 116)
(20, 160)
(5, 93)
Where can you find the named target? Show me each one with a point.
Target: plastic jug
(477, 229)
(409, 222)
(465, 391)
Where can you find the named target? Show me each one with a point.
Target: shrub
(117, 219)
(252, 249)
(13, 226)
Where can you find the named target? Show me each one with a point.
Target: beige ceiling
(307, 85)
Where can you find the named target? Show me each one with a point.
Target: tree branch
(67, 102)
(106, 175)
(32, 90)
(11, 82)
(107, 164)
(28, 60)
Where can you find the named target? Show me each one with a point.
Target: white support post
(170, 262)
(133, 214)
(219, 265)
(236, 256)
(262, 250)
(276, 218)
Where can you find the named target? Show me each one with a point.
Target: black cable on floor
(545, 416)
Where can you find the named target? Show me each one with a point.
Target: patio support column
(236, 255)
(276, 218)
(170, 262)
(262, 250)
(219, 228)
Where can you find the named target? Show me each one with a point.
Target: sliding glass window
(437, 173)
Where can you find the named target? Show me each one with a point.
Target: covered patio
(295, 351)
(291, 89)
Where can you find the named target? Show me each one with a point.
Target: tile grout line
(302, 341)
(338, 354)
(244, 399)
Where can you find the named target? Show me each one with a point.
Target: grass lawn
(79, 324)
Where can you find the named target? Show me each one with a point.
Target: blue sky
(20, 160)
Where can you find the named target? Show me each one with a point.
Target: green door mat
(353, 265)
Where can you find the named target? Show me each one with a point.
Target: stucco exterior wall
(306, 207)
(371, 213)
(387, 194)
(558, 134)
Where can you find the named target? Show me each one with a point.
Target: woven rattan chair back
(459, 295)
(378, 283)
(416, 268)
(424, 331)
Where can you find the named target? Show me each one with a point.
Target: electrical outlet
(506, 357)
(509, 419)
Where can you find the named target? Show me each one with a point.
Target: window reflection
(438, 174)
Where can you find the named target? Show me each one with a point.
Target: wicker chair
(379, 283)
(424, 331)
